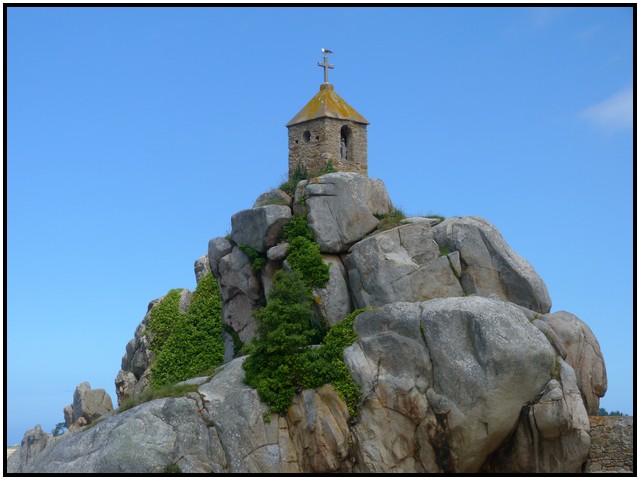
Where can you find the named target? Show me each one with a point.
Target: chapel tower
(328, 129)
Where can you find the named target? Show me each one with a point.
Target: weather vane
(325, 64)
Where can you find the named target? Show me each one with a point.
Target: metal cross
(326, 66)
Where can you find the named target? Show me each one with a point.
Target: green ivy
(193, 344)
(162, 319)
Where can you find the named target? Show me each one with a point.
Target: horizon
(133, 135)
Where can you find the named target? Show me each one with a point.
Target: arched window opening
(345, 143)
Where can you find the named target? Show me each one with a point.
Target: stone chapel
(327, 129)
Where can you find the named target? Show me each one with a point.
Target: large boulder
(400, 265)
(582, 351)
(241, 293)
(88, 405)
(342, 207)
(261, 227)
(445, 382)
(489, 267)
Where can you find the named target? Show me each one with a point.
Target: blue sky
(134, 134)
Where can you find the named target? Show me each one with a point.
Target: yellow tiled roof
(327, 103)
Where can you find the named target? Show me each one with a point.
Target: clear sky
(134, 134)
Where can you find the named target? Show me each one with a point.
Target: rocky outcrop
(462, 367)
(342, 207)
(450, 385)
(88, 405)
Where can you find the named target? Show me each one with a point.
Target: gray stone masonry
(317, 141)
(611, 445)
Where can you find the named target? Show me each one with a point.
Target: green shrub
(304, 256)
(281, 360)
(194, 342)
(299, 174)
(285, 330)
(258, 260)
(297, 227)
(325, 364)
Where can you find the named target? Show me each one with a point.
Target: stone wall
(611, 445)
(317, 141)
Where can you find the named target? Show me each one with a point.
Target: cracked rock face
(400, 265)
(489, 267)
(453, 388)
(341, 208)
(582, 352)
